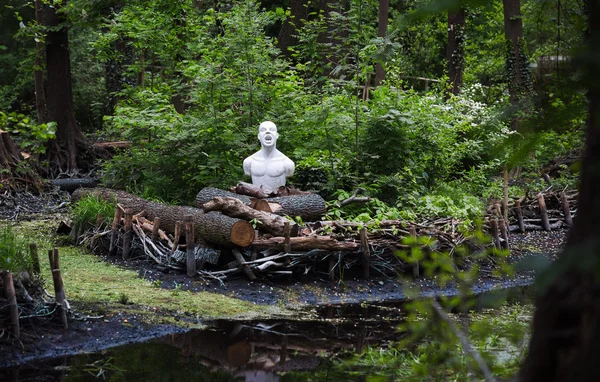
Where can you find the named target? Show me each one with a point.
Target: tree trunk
(384, 6)
(517, 65)
(309, 207)
(38, 73)
(62, 151)
(287, 34)
(455, 50)
(212, 227)
(565, 344)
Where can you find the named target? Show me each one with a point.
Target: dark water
(262, 350)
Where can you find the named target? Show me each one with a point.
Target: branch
(466, 345)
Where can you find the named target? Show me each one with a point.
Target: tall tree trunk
(565, 345)
(69, 142)
(455, 51)
(38, 74)
(287, 37)
(516, 61)
(384, 7)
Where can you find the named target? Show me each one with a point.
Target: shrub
(14, 254)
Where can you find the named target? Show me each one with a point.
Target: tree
(566, 332)
(64, 150)
(384, 6)
(516, 59)
(456, 49)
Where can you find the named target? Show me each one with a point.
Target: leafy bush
(85, 213)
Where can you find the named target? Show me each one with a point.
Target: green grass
(91, 283)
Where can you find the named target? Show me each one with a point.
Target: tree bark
(565, 344)
(38, 73)
(384, 6)
(455, 50)
(63, 151)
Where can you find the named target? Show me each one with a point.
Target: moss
(91, 283)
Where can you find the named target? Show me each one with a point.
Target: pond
(257, 350)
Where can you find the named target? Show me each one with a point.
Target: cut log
(309, 207)
(306, 243)
(213, 227)
(235, 208)
(71, 184)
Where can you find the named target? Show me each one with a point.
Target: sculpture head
(267, 134)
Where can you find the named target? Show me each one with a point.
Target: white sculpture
(268, 167)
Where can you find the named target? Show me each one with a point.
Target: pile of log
(547, 211)
(267, 242)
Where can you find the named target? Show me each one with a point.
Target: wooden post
(155, 229)
(35, 258)
(331, 267)
(9, 292)
(75, 233)
(543, 212)
(128, 233)
(366, 253)
(242, 264)
(287, 248)
(495, 234)
(519, 214)
(59, 289)
(413, 234)
(190, 245)
(566, 209)
(176, 236)
(503, 233)
(114, 235)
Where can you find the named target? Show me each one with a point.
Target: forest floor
(133, 301)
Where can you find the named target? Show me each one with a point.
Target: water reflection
(265, 350)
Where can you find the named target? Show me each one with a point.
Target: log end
(242, 233)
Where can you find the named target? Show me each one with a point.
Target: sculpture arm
(247, 165)
(289, 168)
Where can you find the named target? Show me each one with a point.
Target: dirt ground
(89, 333)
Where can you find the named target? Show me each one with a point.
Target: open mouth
(268, 138)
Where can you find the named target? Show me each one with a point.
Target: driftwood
(235, 208)
(213, 227)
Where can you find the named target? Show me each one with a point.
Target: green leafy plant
(85, 212)
(14, 253)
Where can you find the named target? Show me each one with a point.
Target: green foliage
(30, 135)
(14, 253)
(85, 212)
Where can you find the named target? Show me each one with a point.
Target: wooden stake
(190, 245)
(366, 253)
(413, 234)
(495, 233)
(519, 214)
(503, 233)
(9, 292)
(543, 212)
(176, 236)
(155, 229)
(242, 264)
(35, 258)
(566, 209)
(505, 196)
(99, 218)
(114, 235)
(59, 289)
(128, 234)
(287, 248)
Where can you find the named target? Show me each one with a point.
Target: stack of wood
(547, 211)
(230, 234)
